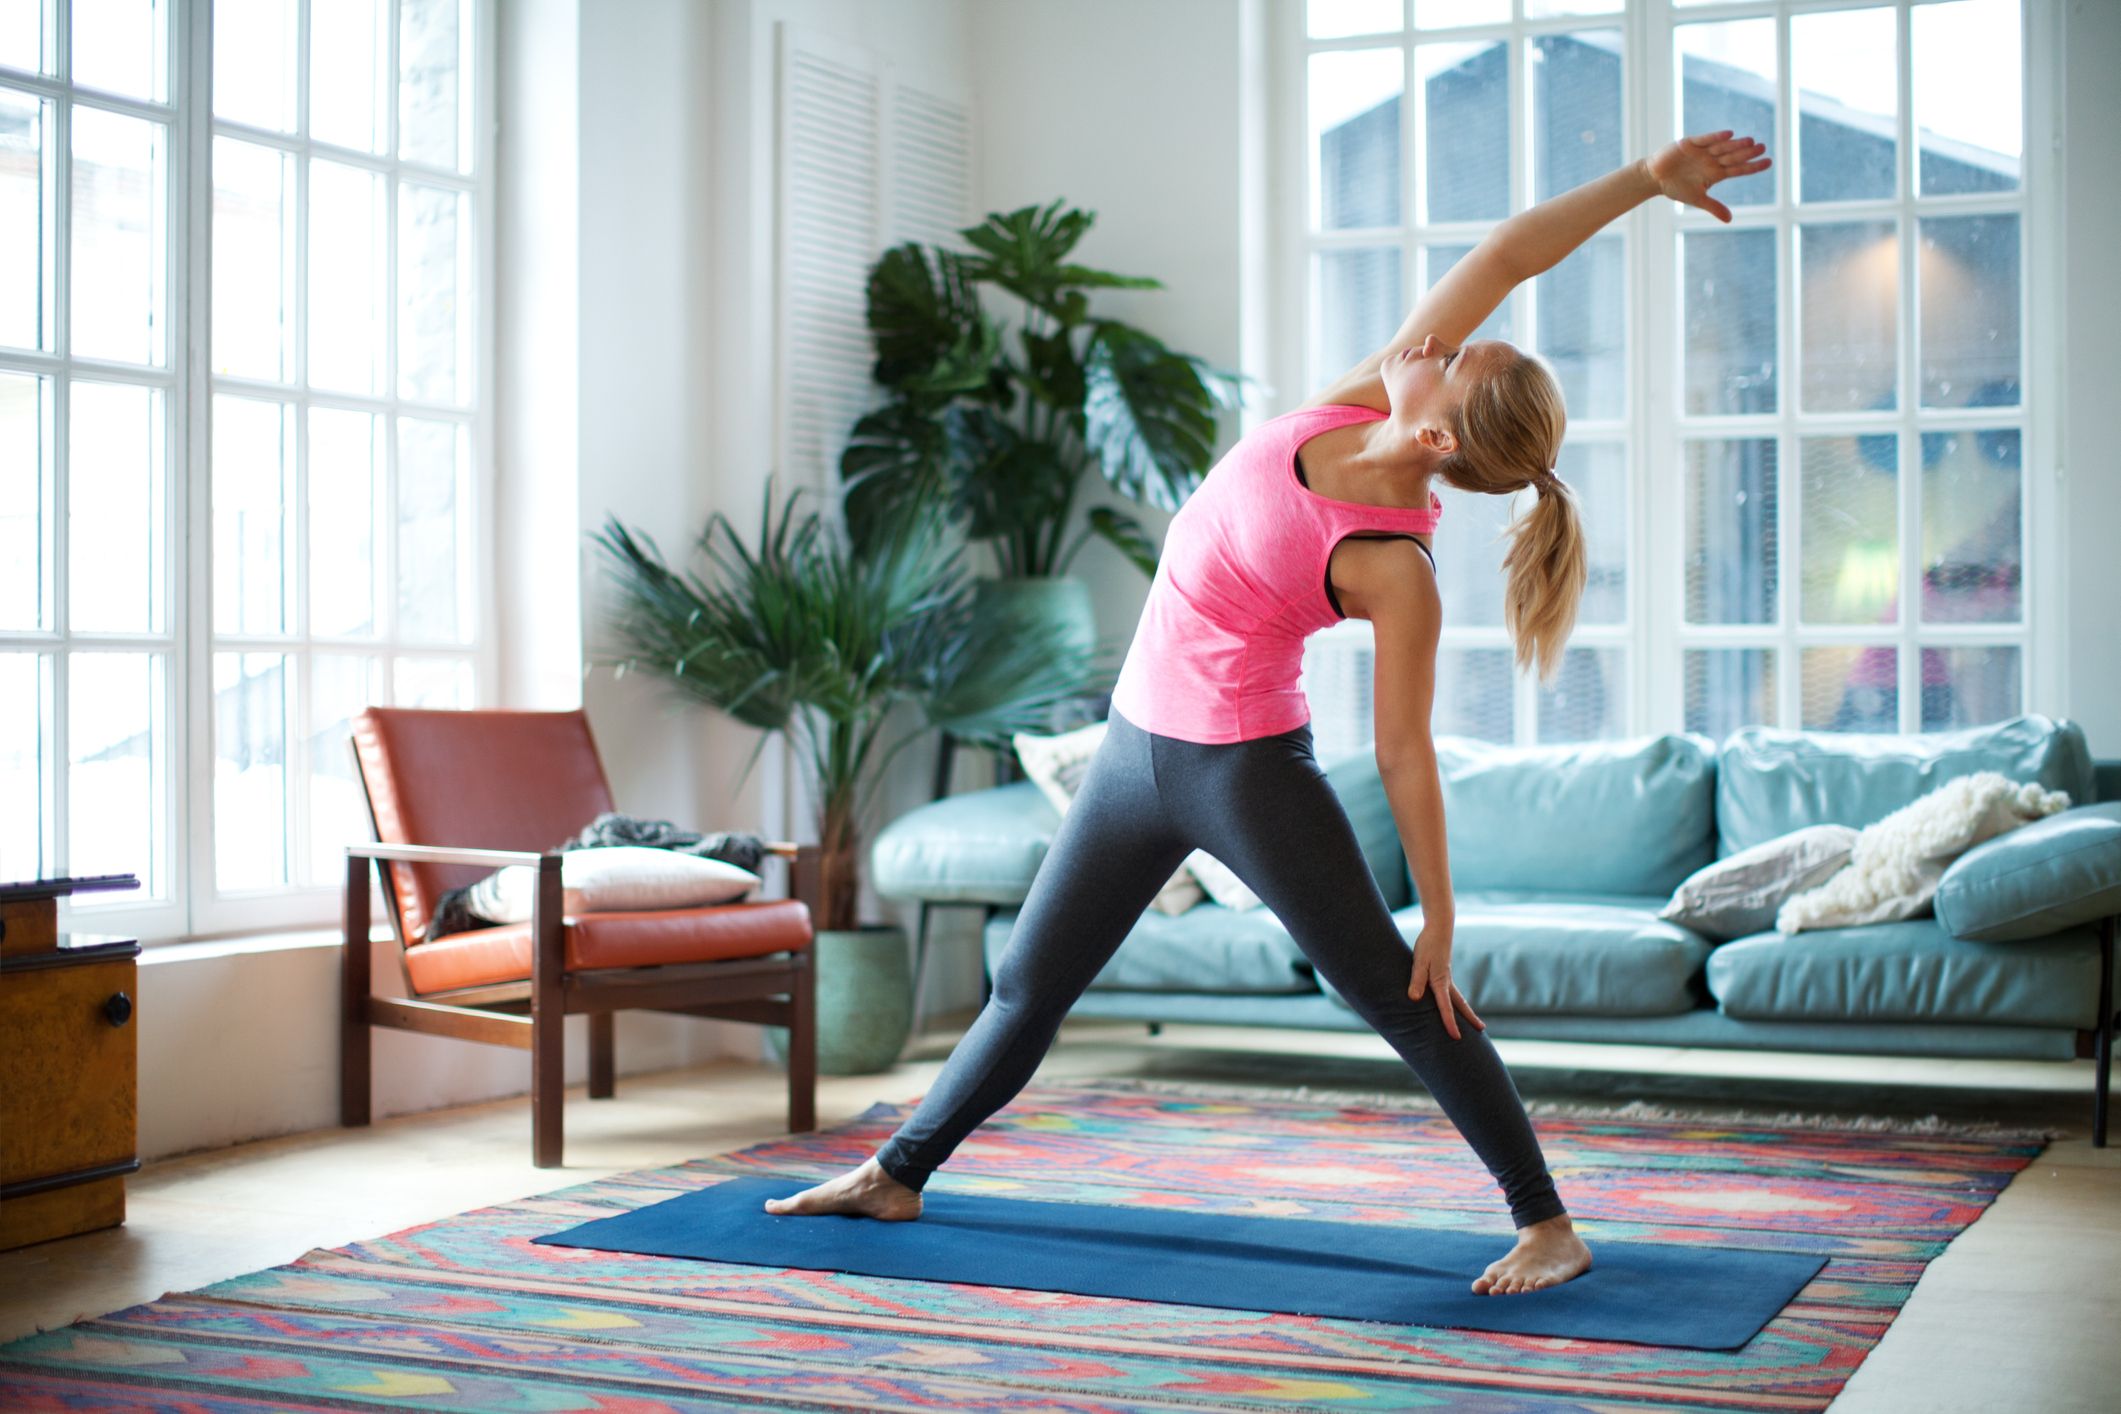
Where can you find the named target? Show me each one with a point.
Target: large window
(241, 374)
(1801, 440)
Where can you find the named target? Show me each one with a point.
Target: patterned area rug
(467, 1313)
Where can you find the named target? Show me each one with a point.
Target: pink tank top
(1241, 583)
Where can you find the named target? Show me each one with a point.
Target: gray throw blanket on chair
(745, 851)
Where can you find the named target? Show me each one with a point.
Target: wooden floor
(2023, 1311)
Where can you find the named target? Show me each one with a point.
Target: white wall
(2091, 368)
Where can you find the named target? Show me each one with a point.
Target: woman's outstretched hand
(1432, 973)
(1689, 167)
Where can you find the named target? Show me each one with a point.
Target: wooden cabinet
(68, 1066)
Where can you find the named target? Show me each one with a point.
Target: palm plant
(1003, 441)
(806, 634)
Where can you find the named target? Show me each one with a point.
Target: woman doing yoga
(1318, 514)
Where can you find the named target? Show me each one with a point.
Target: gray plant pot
(864, 1000)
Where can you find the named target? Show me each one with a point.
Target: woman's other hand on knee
(1432, 977)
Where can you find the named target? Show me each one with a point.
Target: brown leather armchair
(454, 795)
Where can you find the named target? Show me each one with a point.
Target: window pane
(1576, 126)
(1583, 328)
(1469, 550)
(1587, 700)
(254, 62)
(1330, 19)
(1727, 79)
(254, 261)
(1729, 688)
(1449, 14)
(1969, 96)
(21, 47)
(25, 265)
(346, 258)
(1732, 569)
(1847, 81)
(1360, 304)
(1465, 96)
(1474, 694)
(431, 532)
(122, 46)
(25, 779)
(1967, 280)
(1354, 96)
(1440, 259)
(1541, 9)
(1849, 689)
(433, 38)
(117, 776)
(254, 499)
(345, 487)
(1850, 539)
(1967, 687)
(120, 223)
(251, 696)
(1972, 504)
(1598, 473)
(1729, 292)
(117, 508)
(339, 686)
(1849, 278)
(349, 48)
(434, 285)
(432, 682)
(25, 504)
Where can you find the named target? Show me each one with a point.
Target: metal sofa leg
(2103, 1049)
(603, 1058)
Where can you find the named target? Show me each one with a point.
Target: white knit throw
(1894, 869)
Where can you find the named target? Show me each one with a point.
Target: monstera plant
(999, 430)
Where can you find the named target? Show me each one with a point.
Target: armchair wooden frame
(778, 989)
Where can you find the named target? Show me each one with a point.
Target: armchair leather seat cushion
(485, 956)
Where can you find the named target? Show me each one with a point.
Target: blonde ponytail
(1508, 435)
(1545, 571)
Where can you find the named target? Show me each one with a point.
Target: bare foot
(865, 1192)
(1546, 1254)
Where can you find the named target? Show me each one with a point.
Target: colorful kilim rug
(468, 1313)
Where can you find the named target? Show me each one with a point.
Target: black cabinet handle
(119, 1009)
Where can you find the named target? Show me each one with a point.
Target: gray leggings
(1265, 808)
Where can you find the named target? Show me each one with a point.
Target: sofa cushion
(1617, 817)
(1208, 948)
(1771, 781)
(1566, 954)
(1908, 971)
(2052, 874)
(982, 846)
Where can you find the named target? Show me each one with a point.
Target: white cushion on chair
(613, 879)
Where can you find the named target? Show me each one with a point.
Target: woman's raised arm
(1536, 239)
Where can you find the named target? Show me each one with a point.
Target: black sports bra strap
(1334, 599)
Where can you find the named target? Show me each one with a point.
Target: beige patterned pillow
(1057, 764)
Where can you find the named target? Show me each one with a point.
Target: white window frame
(1654, 636)
(193, 906)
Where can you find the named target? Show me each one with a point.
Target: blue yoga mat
(1703, 1298)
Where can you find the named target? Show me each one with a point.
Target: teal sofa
(1561, 858)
